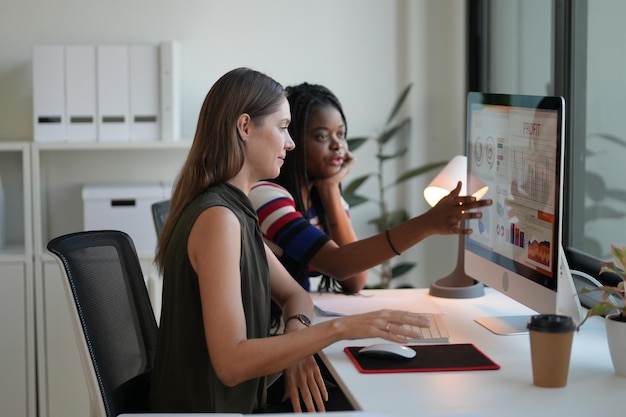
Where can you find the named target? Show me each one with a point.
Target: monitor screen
(515, 145)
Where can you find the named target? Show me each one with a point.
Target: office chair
(159, 214)
(113, 321)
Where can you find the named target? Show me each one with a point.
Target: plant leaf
(399, 102)
(355, 184)
(392, 219)
(354, 200)
(420, 170)
(606, 291)
(608, 305)
(619, 254)
(602, 308)
(610, 266)
(355, 143)
(380, 223)
(391, 132)
(398, 153)
(396, 217)
(379, 286)
(401, 269)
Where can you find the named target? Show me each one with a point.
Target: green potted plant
(387, 217)
(613, 306)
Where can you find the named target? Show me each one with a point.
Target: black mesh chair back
(159, 214)
(113, 319)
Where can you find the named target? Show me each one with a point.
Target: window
(570, 48)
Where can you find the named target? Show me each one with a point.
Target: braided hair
(304, 99)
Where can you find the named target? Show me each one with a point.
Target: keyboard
(436, 333)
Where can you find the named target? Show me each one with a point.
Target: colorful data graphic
(540, 252)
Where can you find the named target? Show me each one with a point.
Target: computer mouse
(388, 350)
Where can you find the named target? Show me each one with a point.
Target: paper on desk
(331, 304)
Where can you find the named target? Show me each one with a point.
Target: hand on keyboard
(437, 332)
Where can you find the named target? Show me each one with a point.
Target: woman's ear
(244, 124)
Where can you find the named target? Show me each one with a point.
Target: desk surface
(592, 386)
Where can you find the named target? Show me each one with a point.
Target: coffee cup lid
(551, 323)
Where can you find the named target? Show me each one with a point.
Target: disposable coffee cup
(550, 348)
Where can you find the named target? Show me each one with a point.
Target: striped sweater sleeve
(284, 228)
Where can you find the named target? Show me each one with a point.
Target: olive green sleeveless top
(184, 379)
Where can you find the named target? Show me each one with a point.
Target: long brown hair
(217, 154)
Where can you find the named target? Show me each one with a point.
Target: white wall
(366, 51)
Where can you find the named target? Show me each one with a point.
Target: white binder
(80, 93)
(144, 93)
(113, 93)
(170, 90)
(49, 93)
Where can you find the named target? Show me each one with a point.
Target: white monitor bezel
(501, 274)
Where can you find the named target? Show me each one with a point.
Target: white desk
(592, 387)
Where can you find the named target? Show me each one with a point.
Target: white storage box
(126, 208)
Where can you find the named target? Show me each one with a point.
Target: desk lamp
(457, 284)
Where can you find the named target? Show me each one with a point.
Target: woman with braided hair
(304, 218)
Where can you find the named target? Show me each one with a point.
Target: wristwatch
(303, 319)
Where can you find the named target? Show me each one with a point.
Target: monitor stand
(568, 304)
(504, 325)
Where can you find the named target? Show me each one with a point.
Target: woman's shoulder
(264, 191)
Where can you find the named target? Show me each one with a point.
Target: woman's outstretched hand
(450, 211)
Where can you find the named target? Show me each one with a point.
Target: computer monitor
(515, 145)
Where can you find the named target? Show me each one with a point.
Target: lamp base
(457, 285)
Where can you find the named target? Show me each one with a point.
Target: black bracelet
(393, 248)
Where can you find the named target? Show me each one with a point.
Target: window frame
(569, 75)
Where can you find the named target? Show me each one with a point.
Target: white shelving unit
(59, 171)
(17, 307)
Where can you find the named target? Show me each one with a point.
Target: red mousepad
(429, 358)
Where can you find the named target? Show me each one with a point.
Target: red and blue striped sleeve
(284, 228)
